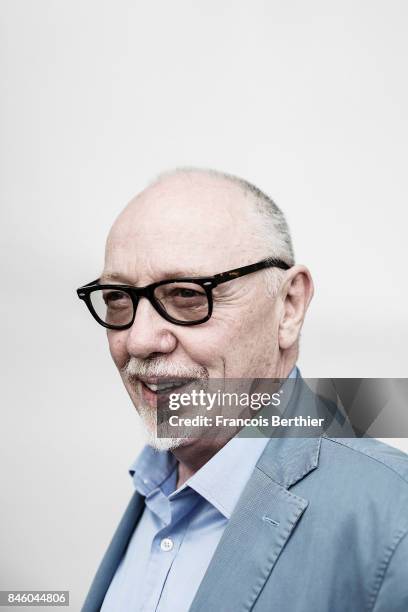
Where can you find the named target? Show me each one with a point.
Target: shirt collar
(151, 469)
(220, 481)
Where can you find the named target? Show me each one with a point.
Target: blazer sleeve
(393, 593)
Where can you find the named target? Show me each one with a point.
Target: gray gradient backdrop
(306, 99)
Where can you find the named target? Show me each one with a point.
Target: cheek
(250, 345)
(205, 346)
(223, 346)
(117, 347)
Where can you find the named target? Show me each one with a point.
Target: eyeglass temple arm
(237, 272)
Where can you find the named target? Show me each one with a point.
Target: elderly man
(200, 282)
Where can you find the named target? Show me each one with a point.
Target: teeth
(163, 386)
(152, 386)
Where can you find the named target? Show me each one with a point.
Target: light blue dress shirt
(179, 530)
(176, 537)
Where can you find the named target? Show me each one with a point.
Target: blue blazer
(322, 526)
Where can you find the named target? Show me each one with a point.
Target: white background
(306, 99)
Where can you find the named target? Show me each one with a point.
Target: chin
(164, 444)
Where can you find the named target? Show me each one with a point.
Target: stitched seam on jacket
(366, 453)
(308, 469)
(283, 489)
(260, 584)
(400, 535)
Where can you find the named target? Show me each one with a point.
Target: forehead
(185, 225)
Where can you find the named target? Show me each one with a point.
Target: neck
(286, 364)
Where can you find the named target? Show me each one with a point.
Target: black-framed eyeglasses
(183, 301)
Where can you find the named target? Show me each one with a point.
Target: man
(311, 524)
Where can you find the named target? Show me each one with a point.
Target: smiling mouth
(165, 386)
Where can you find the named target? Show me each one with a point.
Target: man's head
(200, 223)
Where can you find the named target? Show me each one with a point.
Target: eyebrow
(117, 276)
(114, 276)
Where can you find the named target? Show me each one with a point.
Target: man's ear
(295, 293)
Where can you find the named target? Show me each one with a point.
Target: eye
(187, 293)
(113, 295)
(116, 298)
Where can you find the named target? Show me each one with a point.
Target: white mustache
(159, 368)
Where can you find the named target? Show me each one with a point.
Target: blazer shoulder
(382, 457)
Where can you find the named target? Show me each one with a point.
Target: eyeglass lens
(183, 301)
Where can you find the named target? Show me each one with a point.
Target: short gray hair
(273, 229)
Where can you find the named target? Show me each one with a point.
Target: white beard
(148, 418)
(160, 368)
(162, 444)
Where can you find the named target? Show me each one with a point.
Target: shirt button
(166, 544)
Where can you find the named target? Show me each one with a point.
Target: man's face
(194, 226)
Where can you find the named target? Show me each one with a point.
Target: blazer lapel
(259, 528)
(114, 554)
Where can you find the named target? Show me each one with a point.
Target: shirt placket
(172, 514)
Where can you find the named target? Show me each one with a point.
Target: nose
(150, 334)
